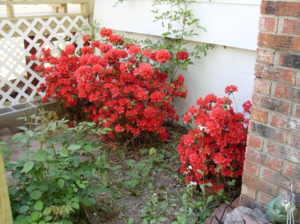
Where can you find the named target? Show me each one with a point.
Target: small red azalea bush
(123, 86)
(217, 145)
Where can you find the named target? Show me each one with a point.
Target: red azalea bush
(123, 86)
(217, 145)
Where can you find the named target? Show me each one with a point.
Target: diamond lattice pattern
(17, 42)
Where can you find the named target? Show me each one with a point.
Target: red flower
(105, 32)
(145, 70)
(115, 39)
(230, 89)
(186, 118)
(86, 50)
(147, 53)
(96, 44)
(119, 128)
(247, 105)
(32, 57)
(70, 49)
(133, 49)
(220, 149)
(122, 87)
(86, 37)
(218, 158)
(216, 188)
(157, 97)
(105, 48)
(182, 55)
(163, 56)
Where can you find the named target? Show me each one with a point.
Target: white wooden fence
(18, 40)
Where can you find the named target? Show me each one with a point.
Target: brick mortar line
(278, 51)
(266, 154)
(252, 189)
(285, 176)
(279, 34)
(276, 57)
(263, 109)
(264, 137)
(261, 165)
(288, 132)
(276, 143)
(273, 84)
(273, 96)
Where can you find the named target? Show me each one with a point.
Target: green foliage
(52, 184)
(155, 209)
(181, 25)
(141, 172)
(192, 207)
(92, 28)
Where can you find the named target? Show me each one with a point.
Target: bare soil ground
(132, 178)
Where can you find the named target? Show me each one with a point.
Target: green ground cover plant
(52, 184)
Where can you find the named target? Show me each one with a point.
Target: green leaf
(92, 200)
(88, 148)
(5, 151)
(39, 206)
(88, 174)
(24, 209)
(31, 187)
(28, 166)
(65, 177)
(61, 183)
(34, 216)
(48, 218)
(24, 158)
(64, 153)
(43, 187)
(23, 128)
(53, 127)
(75, 205)
(76, 163)
(74, 147)
(39, 157)
(81, 185)
(86, 202)
(130, 221)
(36, 194)
(47, 211)
(162, 219)
(209, 199)
(97, 190)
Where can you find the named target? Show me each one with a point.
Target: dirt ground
(111, 210)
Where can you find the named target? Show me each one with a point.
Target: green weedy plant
(52, 184)
(155, 210)
(141, 171)
(180, 24)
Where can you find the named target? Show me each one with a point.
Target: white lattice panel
(17, 79)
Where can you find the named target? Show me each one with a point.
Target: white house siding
(232, 26)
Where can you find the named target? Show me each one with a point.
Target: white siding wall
(232, 26)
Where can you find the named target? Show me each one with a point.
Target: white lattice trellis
(18, 80)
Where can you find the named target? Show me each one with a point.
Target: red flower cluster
(126, 93)
(182, 55)
(217, 145)
(230, 89)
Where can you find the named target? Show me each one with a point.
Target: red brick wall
(273, 151)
